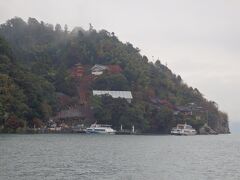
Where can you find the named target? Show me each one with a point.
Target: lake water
(76, 156)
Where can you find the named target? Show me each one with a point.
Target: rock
(206, 130)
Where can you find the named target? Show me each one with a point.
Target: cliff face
(218, 120)
(50, 54)
(222, 126)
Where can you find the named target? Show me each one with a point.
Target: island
(53, 79)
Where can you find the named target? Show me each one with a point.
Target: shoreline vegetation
(51, 77)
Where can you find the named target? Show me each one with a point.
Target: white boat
(183, 129)
(100, 129)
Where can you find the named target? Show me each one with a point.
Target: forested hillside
(36, 59)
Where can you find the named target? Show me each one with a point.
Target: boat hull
(96, 132)
(183, 134)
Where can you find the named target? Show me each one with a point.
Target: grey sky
(200, 40)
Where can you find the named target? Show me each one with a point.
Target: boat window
(99, 129)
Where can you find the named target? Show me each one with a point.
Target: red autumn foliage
(114, 69)
(14, 123)
(37, 123)
(77, 71)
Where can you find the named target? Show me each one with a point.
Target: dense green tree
(119, 112)
(58, 28)
(111, 82)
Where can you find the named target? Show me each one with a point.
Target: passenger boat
(183, 129)
(100, 129)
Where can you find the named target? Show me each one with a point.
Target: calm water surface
(75, 156)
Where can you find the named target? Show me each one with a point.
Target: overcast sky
(199, 40)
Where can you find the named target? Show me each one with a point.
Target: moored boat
(183, 129)
(100, 129)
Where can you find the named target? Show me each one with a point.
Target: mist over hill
(37, 62)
